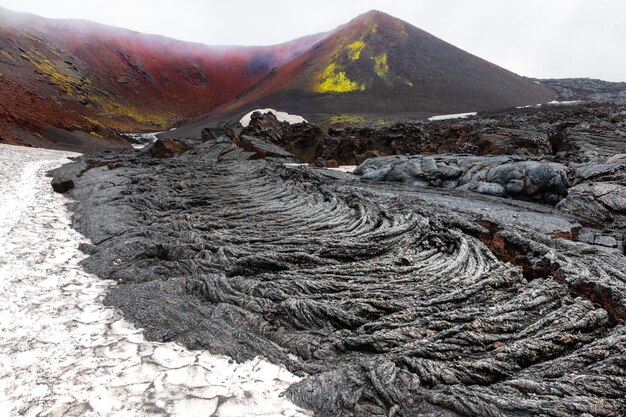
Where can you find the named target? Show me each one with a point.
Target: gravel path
(62, 353)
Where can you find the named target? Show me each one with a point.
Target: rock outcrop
(587, 89)
(167, 148)
(501, 176)
(304, 140)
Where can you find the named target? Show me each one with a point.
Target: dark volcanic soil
(393, 299)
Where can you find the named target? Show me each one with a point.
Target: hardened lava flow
(389, 300)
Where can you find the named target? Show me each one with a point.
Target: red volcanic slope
(378, 65)
(59, 77)
(74, 84)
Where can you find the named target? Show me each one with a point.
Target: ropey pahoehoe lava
(412, 231)
(390, 296)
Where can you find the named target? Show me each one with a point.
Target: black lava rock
(62, 184)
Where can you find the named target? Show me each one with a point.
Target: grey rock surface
(388, 299)
(505, 176)
(587, 89)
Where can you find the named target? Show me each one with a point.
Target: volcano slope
(390, 301)
(76, 85)
(73, 84)
(377, 65)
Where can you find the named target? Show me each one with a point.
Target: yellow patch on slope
(56, 75)
(8, 55)
(347, 118)
(354, 49)
(335, 81)
(380, 65)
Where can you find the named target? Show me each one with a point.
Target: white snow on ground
(451, 116)
(345, 168)
(342, 168)
(563, 103)
(140, 140)
(552, 103)
(63, 353)
(280, 115)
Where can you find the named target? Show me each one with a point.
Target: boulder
(62, 184)
(262, 148)
(590, 237)
(608, 241)
(167, 148)
(596, 203)
(280, 116)
(612, 196)
(303, 140)
(585, 207)
(265, 126)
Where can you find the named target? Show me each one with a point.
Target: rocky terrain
(467, 267)
(587, 89)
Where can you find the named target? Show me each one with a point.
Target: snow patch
(280, 115)
(552, 103)
(344, 168)
(140, 140)
(563, 103)
(452, 116)
(64, 353)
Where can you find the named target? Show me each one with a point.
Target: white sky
(536, 38)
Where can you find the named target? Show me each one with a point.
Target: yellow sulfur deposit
(354, 49)
(380, 65)
(335, 81)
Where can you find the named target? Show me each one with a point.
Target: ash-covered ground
(488, 282)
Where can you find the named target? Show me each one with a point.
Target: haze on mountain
(535, 38)
(74, 85)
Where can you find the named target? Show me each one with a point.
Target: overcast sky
(536, 38)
